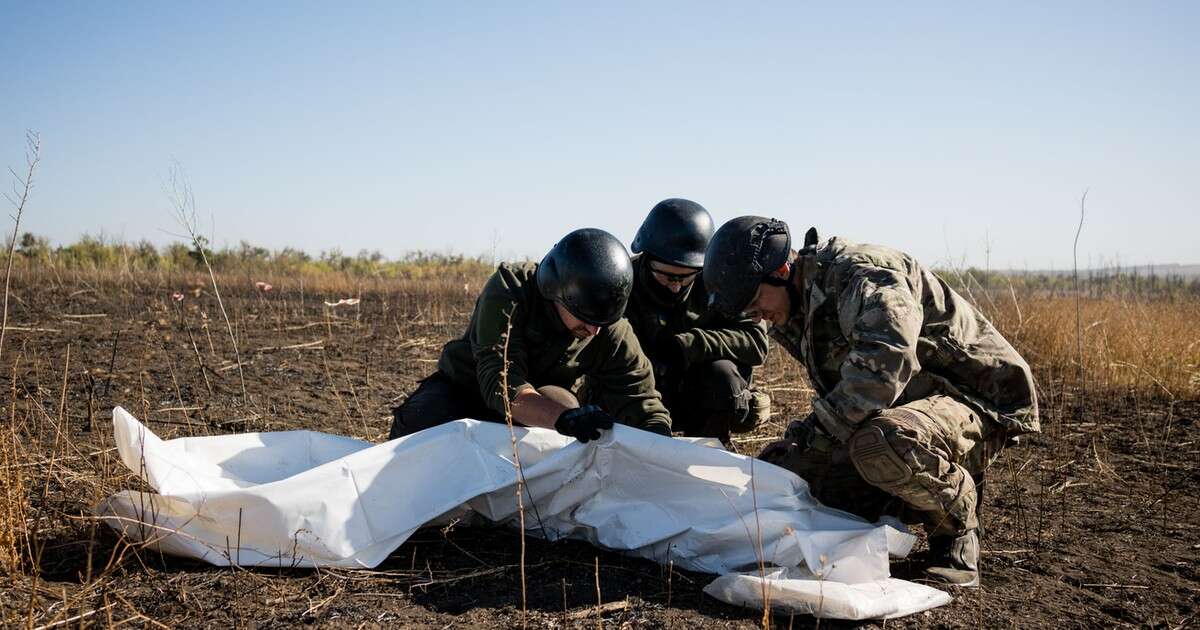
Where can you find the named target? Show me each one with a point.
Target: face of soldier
(673, 277)
(771, 303)
(579, 328)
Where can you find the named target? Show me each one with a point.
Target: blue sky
(945, 129)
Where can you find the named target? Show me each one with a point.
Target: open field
(1092, 523)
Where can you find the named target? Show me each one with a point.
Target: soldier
(916, 391)
(702, 361)
(565, 317)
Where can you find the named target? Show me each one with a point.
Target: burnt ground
(1091, 523)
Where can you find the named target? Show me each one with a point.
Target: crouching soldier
(560, 319)
(916, 391)
(702, 360)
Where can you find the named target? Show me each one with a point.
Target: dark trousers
(438, 400)
(709, 399)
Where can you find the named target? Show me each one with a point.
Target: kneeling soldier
(917, 392)
(561, 319)
(702, 360)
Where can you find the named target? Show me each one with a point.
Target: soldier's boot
(760, 410)
(756, 406)
(955, 559)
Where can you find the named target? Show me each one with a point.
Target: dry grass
(1135, 346)
(133, 344)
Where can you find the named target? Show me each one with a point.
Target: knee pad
(876, 460)
(560, 395)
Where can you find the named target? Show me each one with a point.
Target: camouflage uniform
(541, 352)
(916, 391)
(708, 392)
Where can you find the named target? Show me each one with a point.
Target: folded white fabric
(797, 590)
(302, 498)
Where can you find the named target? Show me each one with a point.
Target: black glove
(777, 452)
(584, 423)
(802, 432)
(797, 438)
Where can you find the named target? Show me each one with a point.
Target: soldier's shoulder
(619, 329)
(512, 280)
(515, 275)
(637, 289)
(697, 302)
(523, 270)
(618, 333)
(846, 255)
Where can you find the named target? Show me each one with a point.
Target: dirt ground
(1092, 523)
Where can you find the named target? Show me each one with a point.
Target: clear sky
(938, 128)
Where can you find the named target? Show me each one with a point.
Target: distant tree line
(99, 252)
(1112, 282)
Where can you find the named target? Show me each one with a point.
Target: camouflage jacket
(703, 335)
(541, 351)
(874, 330)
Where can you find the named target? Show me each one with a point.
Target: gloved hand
(797, 438)
(776, 452)
(801, 432)
(804, 450)
(584, 423)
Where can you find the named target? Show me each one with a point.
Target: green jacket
(703, 335)
(874, 330)
(541, 351)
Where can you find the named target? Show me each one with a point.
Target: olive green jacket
(541, 351)
(704, 336)
(874, 330)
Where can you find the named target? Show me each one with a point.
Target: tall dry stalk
(15, 515)
(184, 203)
(22, 185)
(599, 600)
(1075, 288)
(762, 566)
(512, 433)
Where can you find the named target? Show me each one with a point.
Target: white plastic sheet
(797, 590)
(302, 498)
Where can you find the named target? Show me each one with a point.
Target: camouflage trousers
(922, 459)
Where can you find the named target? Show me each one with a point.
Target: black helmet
(676, 232)
(589, 273)
(743, 252)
